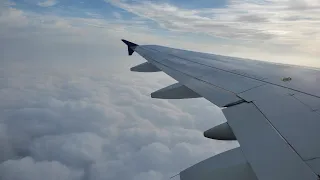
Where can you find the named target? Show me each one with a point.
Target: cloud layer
(279, 21)
(281, 31)
(76, 120)
(287, 24)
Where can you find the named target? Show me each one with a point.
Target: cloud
(7, 3)
(149, 175)
(47, 3)
(203, 26)
(285, 23)
(76, 114)
(27, 169)
(117, 15)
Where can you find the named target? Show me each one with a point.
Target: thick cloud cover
(67, 119)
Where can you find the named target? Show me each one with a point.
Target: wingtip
(128, 43)
(125, 41)
(131, 46)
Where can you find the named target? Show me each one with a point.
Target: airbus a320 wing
(273, 110)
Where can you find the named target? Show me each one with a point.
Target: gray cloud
(27, 169)
(252, 18)
(285, 42)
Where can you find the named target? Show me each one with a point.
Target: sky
(71, 109)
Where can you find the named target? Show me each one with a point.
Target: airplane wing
(273, 110)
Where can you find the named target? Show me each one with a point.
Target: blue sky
(101, 9)
(104, 8)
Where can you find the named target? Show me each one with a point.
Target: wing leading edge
(275, 121)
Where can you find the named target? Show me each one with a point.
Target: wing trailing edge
(131, 46)
(267, 151)
(175, 91)
(229, 165)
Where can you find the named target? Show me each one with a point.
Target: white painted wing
(273, 109)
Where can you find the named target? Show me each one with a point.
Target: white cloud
(47, 3)
(7, 3)
(76, 114)
(76, 149)
(94, 15)
(12, 17)
(290, 24)
(117, 15)
(17, 24)
(27, 169)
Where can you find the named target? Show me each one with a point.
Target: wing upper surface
(303, 79)
(273, 109)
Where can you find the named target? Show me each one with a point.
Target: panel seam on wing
(235, 103)
(310, 159)
(304, 161)
(252, 88)
(308, 106)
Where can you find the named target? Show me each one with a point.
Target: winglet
(131, 46)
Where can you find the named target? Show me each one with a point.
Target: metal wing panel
(216, 95)
(229, 165)
(179, 64)
(231, 82)
(314, 165)
(264, 148)
(219, 62)
(222, 79)
(296, 122)
(304, 79)
(312, 102)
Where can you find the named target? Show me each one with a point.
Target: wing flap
(229, 165)
(269, 155)
(296, 122)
